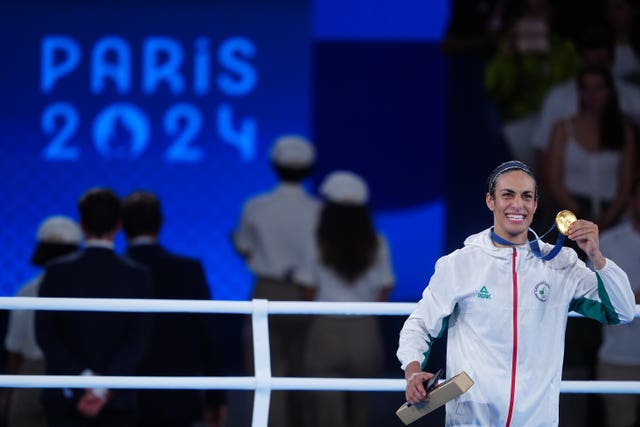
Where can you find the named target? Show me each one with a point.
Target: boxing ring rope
(263, 383)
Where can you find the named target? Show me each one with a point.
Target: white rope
(277, 383)
(213, 306)
(127, 305)
(150, 382)
(203, 306)
(625, 387)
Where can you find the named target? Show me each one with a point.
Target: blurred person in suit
(619, 354)
(181, 344)
(93, 343)
(273, 231)
(349, 261)
(57, 235)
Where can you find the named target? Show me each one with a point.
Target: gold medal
(564, 219)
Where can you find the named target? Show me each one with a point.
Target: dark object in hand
(433, 381)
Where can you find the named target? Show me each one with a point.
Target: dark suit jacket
(108, 343)
(182, 344)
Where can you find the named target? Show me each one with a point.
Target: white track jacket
(505, 312)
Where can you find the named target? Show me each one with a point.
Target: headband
(506, 167)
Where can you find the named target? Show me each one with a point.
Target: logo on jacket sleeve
(541, 291)
(484, 293)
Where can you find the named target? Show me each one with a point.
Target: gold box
(444, 392)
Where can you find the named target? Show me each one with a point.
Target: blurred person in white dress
(57, 235)
(348, 262)
(593, 152)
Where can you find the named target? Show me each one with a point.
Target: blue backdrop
(184, 99)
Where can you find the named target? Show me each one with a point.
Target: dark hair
(99, 211)
(514, 10)
(141, 214)
(596, 36)
(46, 251)
(347, 240)
(506, 167)
(635, 185)
(289, 174)
(612, 119)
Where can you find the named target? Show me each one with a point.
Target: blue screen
(423, 20)
(184, 99)
(181, 99)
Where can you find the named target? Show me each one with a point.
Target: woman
(57, 236)
(349, 262)
(592, 154)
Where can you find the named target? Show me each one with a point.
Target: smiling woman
(512, 196)
(497, 279)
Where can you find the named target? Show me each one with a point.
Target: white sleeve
(14, 341)
(559, 103)
(384, 270)
(21, 321)
(605, 296)
(429, 320)
(242, 236)
(305, 272)
(629, 96)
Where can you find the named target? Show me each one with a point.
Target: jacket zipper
(514, 356)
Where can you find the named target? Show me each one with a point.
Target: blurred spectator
(619, 355)
(57, 236)
(592, 153)
(529, 60)
(622, 17)
(273, 232)
(349, 262)
(595, 46)
(93, 343)
(181, 344)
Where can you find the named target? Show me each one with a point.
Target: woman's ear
(491, 203)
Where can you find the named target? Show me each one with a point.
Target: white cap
(346, 188)
(59, 229)
(293, 151)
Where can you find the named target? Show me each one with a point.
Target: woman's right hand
(416, 378)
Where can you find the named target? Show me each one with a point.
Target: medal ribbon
(533, 244)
